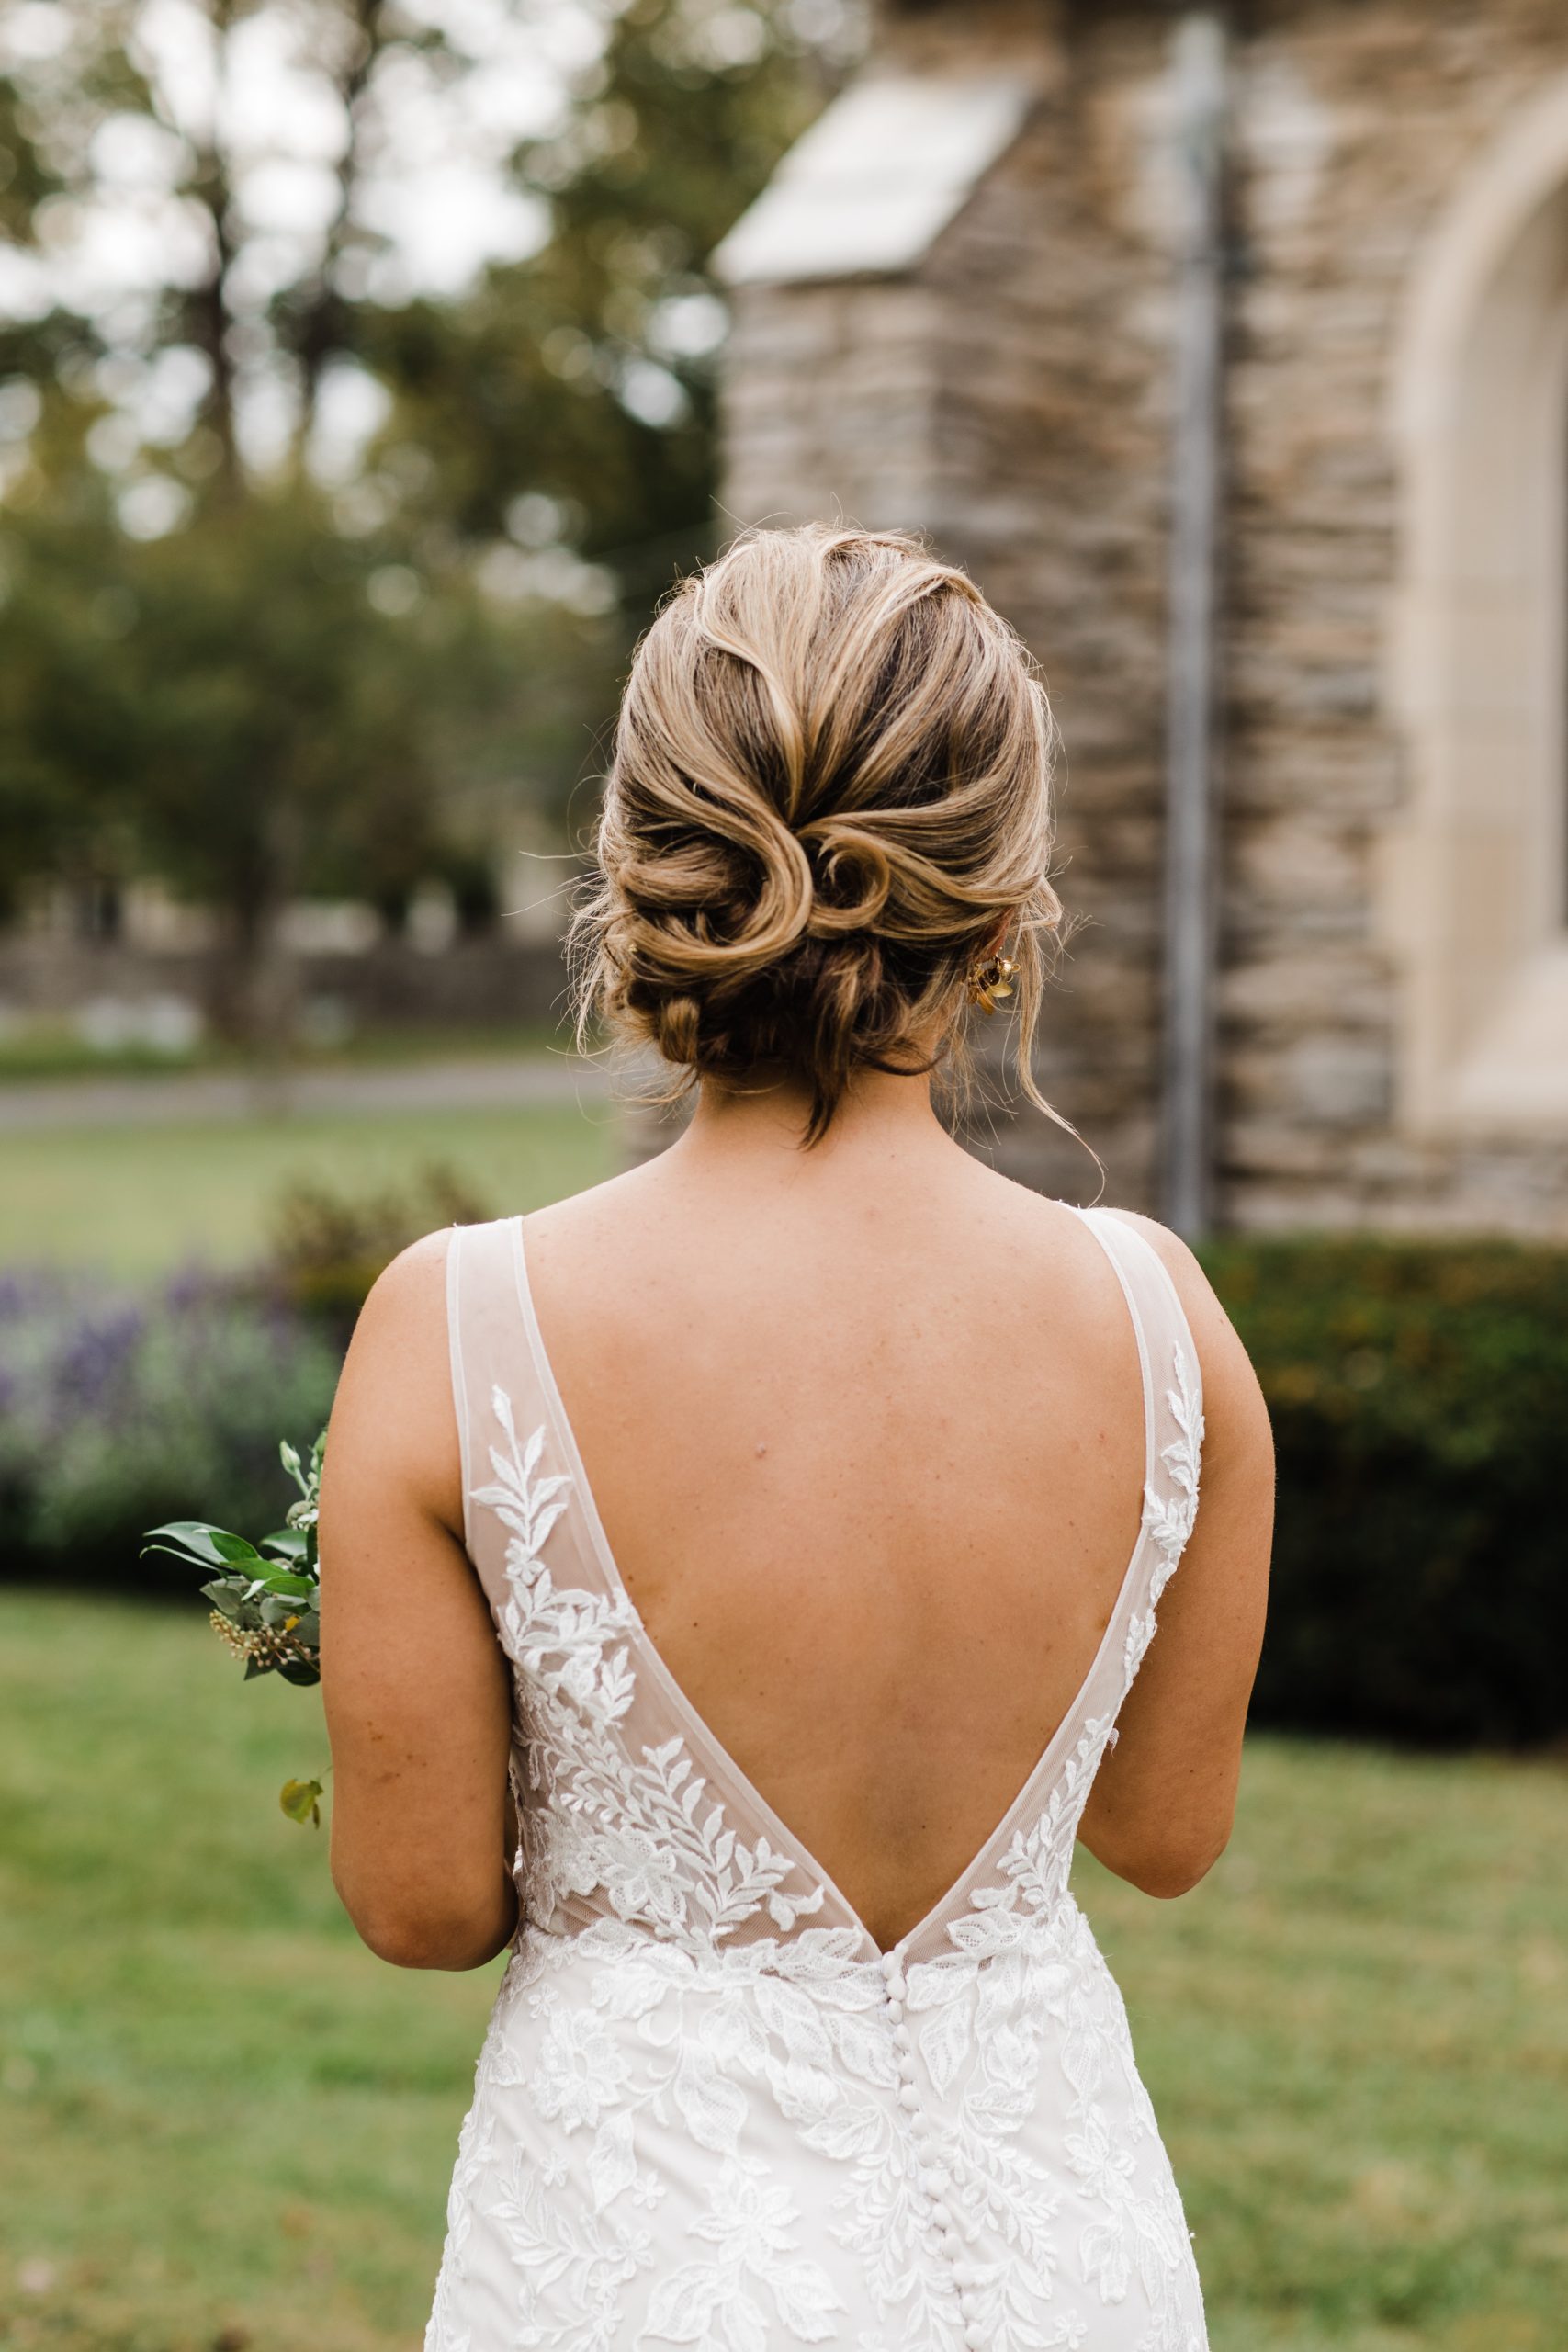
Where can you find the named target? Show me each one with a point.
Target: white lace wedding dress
(709, 2111)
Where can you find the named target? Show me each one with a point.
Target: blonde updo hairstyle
(830, 799)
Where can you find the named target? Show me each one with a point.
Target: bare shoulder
(1170, 1250)
(403, 1316)
(393, 1417)
(1193, 1287)
(1232, 1394)
(411, 1286)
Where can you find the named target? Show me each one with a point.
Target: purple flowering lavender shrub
(121, 1407)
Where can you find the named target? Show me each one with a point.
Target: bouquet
(265, 1598)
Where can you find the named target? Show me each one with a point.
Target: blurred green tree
(356, 403)
(585, 371)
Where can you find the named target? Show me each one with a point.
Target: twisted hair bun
(830, 794)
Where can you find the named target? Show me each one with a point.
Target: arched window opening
(1476, 872)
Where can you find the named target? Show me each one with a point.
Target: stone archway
(1475, 882)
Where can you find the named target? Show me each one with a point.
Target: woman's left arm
(418, 1695)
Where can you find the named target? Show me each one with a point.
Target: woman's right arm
(1161, 1808)
(418, 1693)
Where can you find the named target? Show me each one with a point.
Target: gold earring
(991, 978)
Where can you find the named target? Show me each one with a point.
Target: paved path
(460, 1083)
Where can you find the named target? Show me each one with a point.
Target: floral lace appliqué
(634, 1827)
(708, 2113)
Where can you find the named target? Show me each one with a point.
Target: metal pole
(1191, 884)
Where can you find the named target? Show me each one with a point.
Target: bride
(740, 1580)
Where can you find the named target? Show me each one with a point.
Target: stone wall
(1011, 397)
(1355, 122)
(1010, 402)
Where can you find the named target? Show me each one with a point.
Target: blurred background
(369, 369)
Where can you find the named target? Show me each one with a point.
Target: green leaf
(301, 1800)
(230, 1596)
(210, 1547)
(288, 1543)
(286, 1586)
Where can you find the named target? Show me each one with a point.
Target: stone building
(975, 299)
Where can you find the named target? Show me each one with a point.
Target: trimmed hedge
(1419, 1396)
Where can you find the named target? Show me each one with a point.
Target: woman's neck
(881, 1117)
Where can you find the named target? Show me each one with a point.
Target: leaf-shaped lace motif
(1168, 1516)
(638, 1827)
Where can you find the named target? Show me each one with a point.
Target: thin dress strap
(1174, 1389)
(494, 1379)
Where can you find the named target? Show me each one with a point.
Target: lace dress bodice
(709, 2110)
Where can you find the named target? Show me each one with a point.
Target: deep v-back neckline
(699, 1732)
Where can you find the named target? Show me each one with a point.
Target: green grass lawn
(1356, 2033)
(223, 2123)
(55, 1048)
(138, 1200)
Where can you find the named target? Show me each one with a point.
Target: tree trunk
(256, 998)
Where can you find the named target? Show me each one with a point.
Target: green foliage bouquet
(265, 1598)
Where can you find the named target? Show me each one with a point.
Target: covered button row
(895, 1988)
(934, 2178)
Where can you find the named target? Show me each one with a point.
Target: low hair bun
(852, 878)
(830, 794)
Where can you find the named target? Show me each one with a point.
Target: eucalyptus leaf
(235, 1595)
(227, 1599)
(301, 1800)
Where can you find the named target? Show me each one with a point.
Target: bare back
(864, 1425)
(869, 1461)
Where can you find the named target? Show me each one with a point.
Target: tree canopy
(356, 403)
